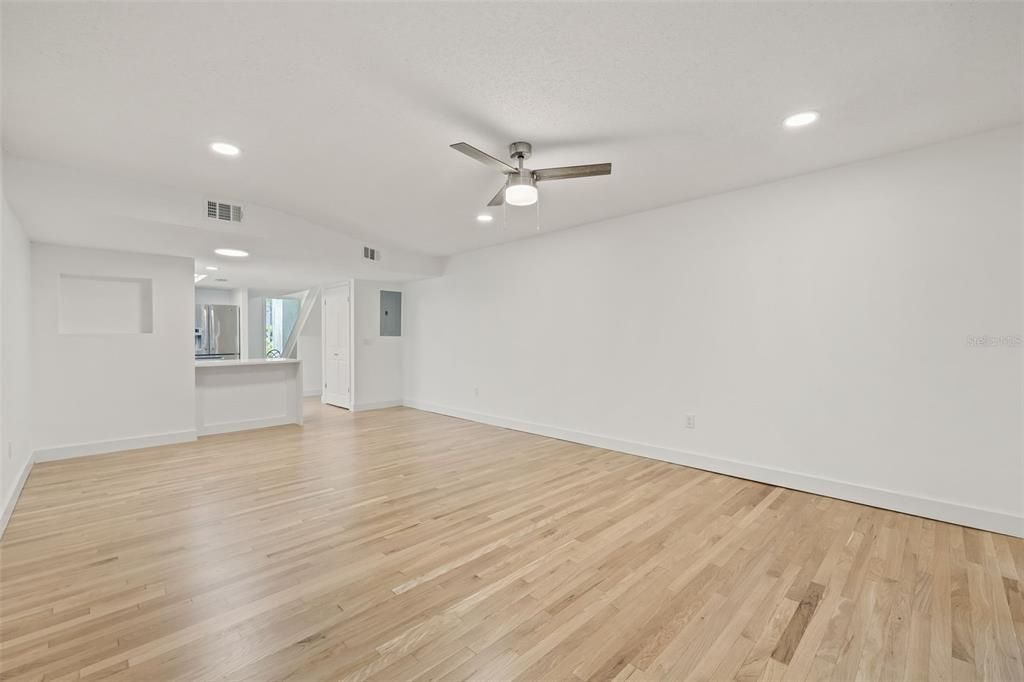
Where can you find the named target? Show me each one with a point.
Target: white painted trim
(974, 517)
(231, 427)
(365, 407)
(311, 393)
(103, 447)
(15, 494)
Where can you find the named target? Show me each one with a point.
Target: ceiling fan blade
(499, 198)
(483, 157)
(566, 172)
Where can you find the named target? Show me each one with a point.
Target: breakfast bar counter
(235, 395)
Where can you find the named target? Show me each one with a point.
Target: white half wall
(102, 392)
(854, 332)
(238, 395)
(15, 361)
(377, 375)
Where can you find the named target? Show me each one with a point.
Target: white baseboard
(365, 407)
(231, 427)
(974, 517)
(116, 445)
(15, 494)
(311, 393)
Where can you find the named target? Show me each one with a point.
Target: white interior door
(337, 303)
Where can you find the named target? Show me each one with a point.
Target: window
(279, 316)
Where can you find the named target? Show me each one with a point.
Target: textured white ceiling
(345, 111)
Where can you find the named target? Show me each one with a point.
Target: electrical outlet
(691, 421)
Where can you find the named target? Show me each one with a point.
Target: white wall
(111, 210)
(818, 327)
(105, 392)
(377, 375)
(255, 340)
(310, 352)
(6, 470)
(215, 296)
(240, 298)
(15, 355)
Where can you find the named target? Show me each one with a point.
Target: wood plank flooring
(403, 545)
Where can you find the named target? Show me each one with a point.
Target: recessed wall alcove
(105, 305)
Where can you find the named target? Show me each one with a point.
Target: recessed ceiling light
(485, 218)
(199, 277)
(232, 253)
(804, 118)
(211, 267)
(225, 148)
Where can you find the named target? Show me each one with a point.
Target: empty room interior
(504, 340)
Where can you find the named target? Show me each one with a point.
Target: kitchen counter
(244, 363)
(237, 395)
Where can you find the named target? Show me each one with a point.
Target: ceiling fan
(520, 188)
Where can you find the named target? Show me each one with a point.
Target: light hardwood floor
(399, 545)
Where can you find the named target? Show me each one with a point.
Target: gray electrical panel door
(391, 313)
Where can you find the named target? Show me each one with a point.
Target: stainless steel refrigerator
(217, 332)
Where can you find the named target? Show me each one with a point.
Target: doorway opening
(279, 318)
(336, 307)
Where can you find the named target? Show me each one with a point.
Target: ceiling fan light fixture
(520, 190)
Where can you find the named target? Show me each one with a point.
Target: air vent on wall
(221, 211)
(371, 254)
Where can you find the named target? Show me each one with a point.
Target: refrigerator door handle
(209, 329)
(204, 332)
(214, 336)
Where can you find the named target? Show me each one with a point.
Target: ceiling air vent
(371, 254)
(215, 209)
